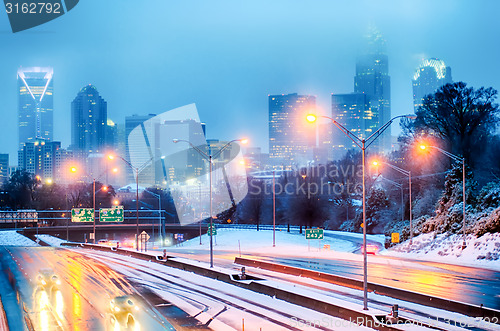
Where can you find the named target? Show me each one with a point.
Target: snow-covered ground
(261, 241)
(52, 241)
(481, 252)
(12, 238)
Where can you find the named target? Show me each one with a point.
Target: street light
(456, 159)
(363, 144)
(137, 170)
(105, 189)
(209, 157)
(406, 173)
(159, 214)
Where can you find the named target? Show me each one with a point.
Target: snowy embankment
(52, 241)
(12, 238)
(481, 252)
(286, 243)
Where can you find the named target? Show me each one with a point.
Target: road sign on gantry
(113, 214)
(314, 234)
(82, 215)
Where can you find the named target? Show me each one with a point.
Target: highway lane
(219, 304)
(82, 300)
(466, 284)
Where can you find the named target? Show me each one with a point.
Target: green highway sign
(314, 233)
(82, 215)
(113, 214)
(212, 232)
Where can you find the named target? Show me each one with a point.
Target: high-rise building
(4, 168)
(89, 117)
(429, 76)
(111, 135)
(355, 112)
(372, 78)
(131, 122)
(35, 104)
(291, 140)
(41, 158)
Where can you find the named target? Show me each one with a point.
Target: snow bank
(52, 241)
(12, 238)
(447, 248)
(262, 241)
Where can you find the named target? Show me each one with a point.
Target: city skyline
(133, 85)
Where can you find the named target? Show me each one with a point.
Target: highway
(82, 300)
(459, 283)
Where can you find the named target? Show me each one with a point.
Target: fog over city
(227, 56)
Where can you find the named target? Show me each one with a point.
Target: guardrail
(261, 227)
(422, 299)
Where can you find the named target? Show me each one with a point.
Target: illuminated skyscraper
(89, 117)
(372, 78)
(36, 105)
(290, 140)
(353, 111)
(429, 76)
(4, 168)
(41, 158)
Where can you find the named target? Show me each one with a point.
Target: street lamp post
(136, 170)
(406, 173)
(456, 159)
(363, 144)
(159, 214)
(209, 157)
(274, 208)
(400, 186)
(93, 204)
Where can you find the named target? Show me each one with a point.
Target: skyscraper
(41, 158)
(36, 105)
(290, 139)
(429, 76)
(355, 112)
(372, 78)
(4, 168)
(131, 122)
(88, 122)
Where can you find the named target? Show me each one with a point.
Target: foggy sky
(227, 56)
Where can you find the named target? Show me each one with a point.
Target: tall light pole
(400, 186)
(105, 188)
(406, 173)
(274, 208)
(209, 157)
(136, 170)
(456, 159)
(363, 144)
(159, 212)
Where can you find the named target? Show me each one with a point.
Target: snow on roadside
(483, 252)
(176, 286)
(52, 241)
(12, 238)
(261, 241)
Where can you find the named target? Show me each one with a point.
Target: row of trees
(24, 191)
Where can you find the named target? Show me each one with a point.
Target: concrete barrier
(426, 300)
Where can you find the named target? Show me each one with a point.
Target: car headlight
(117, 309)
(44, 282)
